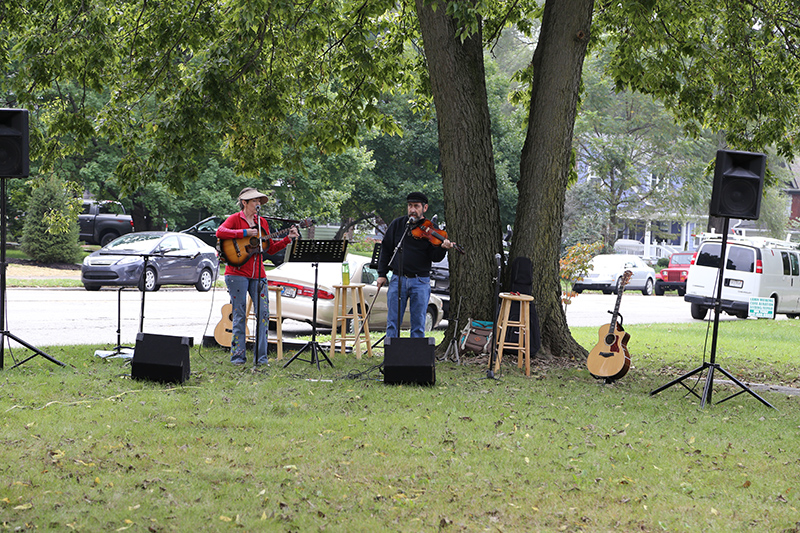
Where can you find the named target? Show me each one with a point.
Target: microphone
(258, 207)
(498, 258)
(411, 220)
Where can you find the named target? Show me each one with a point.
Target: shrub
(50, 233)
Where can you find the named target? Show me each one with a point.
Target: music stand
(376, 254)
(711, 364)
(316, 252)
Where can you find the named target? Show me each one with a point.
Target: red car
(673, 277)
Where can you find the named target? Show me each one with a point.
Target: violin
(425, 230)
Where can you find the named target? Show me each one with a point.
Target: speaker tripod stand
(711, 365)
(4, 333)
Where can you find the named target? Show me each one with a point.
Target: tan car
(297, 290)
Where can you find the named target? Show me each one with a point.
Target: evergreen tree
(50, 233)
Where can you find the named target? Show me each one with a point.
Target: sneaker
(238, 362)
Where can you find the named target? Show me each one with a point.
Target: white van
(755, 267)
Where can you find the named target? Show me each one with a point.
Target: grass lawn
(85, 448)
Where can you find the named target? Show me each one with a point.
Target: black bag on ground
(522, 282)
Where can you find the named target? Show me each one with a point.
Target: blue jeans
(238, 288)
(414, 290)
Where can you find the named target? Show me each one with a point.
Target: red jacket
(232, 229)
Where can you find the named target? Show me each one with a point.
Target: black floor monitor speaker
(738, 181)
(163, 358)
(14, 153)
(409, 361)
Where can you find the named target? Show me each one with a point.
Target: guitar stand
(330, 251)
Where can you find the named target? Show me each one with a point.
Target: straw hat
(249, 193)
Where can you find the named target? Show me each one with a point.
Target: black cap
(417, 197)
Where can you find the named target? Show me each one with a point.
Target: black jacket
(418, 254)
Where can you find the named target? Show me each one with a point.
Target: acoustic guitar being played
(236, 252)
(610, 359)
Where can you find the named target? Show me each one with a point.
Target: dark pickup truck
(102, 222)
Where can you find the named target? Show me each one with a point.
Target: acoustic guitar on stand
(236, 252)
(610, 359)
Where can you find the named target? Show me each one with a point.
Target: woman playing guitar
(249, 276)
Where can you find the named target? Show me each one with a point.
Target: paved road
(47, 317)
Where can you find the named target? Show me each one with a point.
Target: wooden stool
(523, 344)
(276, 316)
(342, 312)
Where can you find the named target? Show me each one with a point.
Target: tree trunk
(142, 221)
(470, 187)
(545, 163)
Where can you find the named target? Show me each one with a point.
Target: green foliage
(179, 79)
(297, 449)
(50, 233)
(726, 65)
(633, 155)
(574, 266)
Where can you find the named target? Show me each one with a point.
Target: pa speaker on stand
(14, 163)
(14, 152)
(738, 182)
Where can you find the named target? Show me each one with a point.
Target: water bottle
(345, 273)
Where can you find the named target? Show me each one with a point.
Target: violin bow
(369, 312)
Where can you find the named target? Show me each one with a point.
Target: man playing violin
(411, 267)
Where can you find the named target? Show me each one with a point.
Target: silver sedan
(149, 259)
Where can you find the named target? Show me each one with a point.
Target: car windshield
(133, 242)
(611, 261)
(681, 259)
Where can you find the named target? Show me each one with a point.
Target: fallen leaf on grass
(23, 507)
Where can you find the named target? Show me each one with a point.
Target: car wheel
(92, 287)
(681, 292)
(149, 284)
(349, 326)
(577, 291)
(108, 237)
(615, 289)
(205, 281)
(607, 291)
(430, 318)
(658, 291)
(698, 312)
(648, 288)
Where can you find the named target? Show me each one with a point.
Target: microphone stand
(260, 265)
(493, 356)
